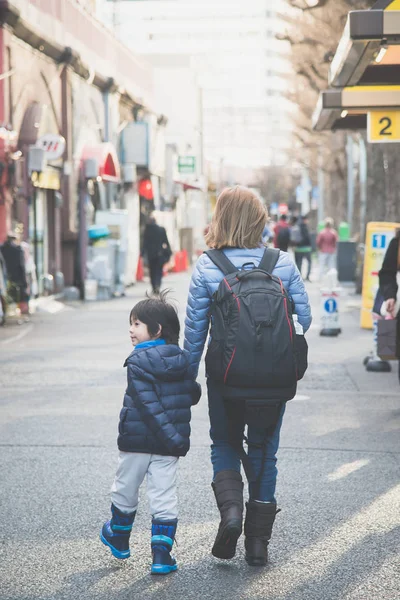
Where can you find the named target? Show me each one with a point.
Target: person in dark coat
(15, 264)
(303, 250)
(388, 283)
(157, 250)
(282, 234)
(154, 430)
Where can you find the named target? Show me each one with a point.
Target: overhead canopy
(106, 158)
(347, 108)
(368, 52)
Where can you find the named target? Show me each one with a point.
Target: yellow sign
(383, 126)
(48, 180)
(395, 5)
(377, 242)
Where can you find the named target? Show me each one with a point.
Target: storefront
(45, 229)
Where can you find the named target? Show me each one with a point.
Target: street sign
(187, 164)
(283, 209)
(383, 126)
(53, 145)
(274, 208)
(330, 306)
(330, 312)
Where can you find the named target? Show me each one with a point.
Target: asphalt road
(61, 388)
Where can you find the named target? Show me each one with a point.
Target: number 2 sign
(383, 126)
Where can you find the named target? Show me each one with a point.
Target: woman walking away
(249, 292)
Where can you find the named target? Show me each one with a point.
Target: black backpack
(254, 355)
(253, 345)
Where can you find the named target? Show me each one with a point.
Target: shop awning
(107, 160)
(347, 108)
(367, 50)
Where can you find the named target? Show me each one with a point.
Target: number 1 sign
(383, 126)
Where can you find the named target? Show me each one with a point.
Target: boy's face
(138, 332)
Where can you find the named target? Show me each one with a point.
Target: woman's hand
(390, 307)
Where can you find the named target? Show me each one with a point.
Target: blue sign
(330, 306)
(274, 208)
(315, 193)
(379, 241)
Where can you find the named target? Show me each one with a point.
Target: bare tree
(314, 29)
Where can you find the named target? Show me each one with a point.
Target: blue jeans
(224, 457)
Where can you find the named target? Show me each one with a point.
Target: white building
(240, 66)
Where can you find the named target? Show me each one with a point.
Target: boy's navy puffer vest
(155, 418)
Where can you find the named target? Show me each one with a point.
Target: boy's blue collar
(151, 343)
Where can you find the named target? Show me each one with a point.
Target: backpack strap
(221, 261)
(269, 260)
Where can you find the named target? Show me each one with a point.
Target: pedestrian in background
(236, 228)
(327, 245)
(3, 289)
(282, 234)
(388, 286)
(154, 430)
(157, 250)
(267, 235)
(30, 270)
(17, 286)
(303, 246)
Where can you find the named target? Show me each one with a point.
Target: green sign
(187, 164)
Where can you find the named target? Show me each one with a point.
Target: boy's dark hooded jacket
(155, 418)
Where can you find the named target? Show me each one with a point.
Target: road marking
(18, 337)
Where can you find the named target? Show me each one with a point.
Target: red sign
(283, 209)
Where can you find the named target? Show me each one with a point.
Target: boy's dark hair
(155, 312)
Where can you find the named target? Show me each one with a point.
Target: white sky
(240, 65)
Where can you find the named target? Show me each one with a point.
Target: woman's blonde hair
(238, 221)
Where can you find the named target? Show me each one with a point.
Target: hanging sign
(53, 145)
(187, 164)
(383, 126)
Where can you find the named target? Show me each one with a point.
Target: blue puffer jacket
(155, 418)
(205, 281)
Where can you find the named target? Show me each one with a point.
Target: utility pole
(363, 186)
(350, 181)
(321, 188)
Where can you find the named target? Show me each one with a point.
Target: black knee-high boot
(260, 517)
(228, 490)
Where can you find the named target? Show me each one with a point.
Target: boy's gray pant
(161, 474)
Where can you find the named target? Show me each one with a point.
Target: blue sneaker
(116, 532)
(162, 539)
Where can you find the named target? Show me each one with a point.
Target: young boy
(154, 430)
